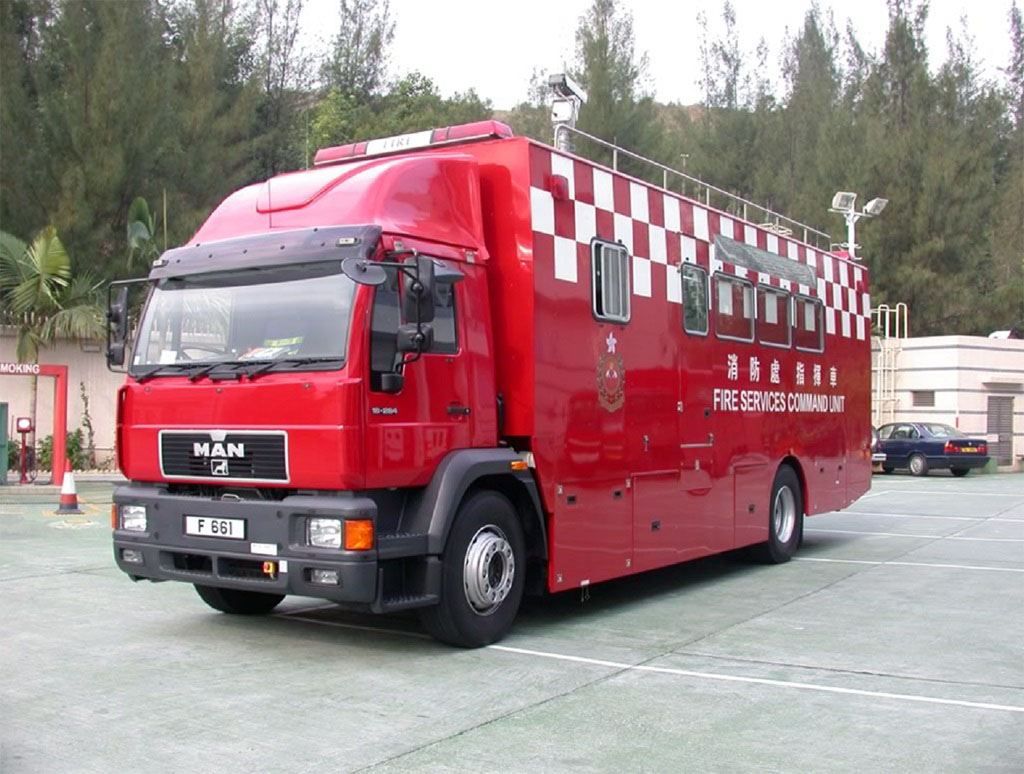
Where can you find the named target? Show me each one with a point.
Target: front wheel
(482, 576)
(785, 519)
(238, 602)
(960, 472)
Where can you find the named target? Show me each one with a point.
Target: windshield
(266, 314)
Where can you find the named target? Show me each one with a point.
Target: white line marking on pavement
(759, 680)
(908, 564)
(951, 491)
(874, 494)
(905, 515)
(910, 535)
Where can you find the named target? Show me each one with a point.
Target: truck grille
(235, 456)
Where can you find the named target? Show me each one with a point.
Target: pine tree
(619, 106)
(358, 63)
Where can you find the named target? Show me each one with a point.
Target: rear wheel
(785, 519)
(959, 472)
(888, 468)
(482, 576)
(239, 602)
(918, 465)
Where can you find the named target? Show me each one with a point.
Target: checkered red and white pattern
(661, 230)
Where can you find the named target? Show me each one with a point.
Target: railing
(712, 196)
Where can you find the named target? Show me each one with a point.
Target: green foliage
(41, 298)
(413, 103)
(74, 450)
(110, 105)
(359, 58)
(619, 106)
(13, 454)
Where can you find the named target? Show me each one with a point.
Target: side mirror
(418, 291)
(413, 338)
(115, 354)
(392, 382)
(117, 328)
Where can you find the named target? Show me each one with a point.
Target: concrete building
(971, 382)
(86, 366)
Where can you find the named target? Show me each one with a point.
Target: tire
(238, 602)
(482, 576)
(959, 472)
(785, 519)
(888, 469)
(918, 465)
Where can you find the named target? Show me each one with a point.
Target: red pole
(60, 419)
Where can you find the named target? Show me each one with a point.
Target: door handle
(458, 411)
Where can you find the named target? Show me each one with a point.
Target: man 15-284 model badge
(611, 377)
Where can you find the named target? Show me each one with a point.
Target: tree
(413, 103)
(619, 106)
(42, 299)
(284, 73)
(359, 59)
(209, 148)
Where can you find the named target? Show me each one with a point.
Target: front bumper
(275, 532)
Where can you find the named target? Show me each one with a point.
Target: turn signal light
(358, 535)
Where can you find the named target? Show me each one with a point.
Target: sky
(495, 47)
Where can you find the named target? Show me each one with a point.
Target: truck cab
(309, 406)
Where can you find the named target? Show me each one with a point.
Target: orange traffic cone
(68, 495)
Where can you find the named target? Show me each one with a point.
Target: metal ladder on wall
(712, 196)
(888, 330)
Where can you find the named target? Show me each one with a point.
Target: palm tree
(41, 299)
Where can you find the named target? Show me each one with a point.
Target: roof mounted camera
(566, 88)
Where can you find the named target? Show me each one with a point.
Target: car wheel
(239, 602)
(918, 465)
(959, 472)
(482, 576)
(888, 468)
(785, 520)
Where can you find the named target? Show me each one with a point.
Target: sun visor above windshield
(308, 245)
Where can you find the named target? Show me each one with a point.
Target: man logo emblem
(218, 467)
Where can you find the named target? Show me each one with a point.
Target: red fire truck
(440, 370)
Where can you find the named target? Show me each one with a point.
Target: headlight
(133, 518)
(324, 533)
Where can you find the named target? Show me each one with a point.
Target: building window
(922, 397)
(610, 281)
(734, 308)
(808, 328)
(695, 299)
(773, 326)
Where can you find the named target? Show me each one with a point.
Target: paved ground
(896, 643)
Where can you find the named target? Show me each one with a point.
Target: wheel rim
(784, 514)
(489, 570)
(915, 465)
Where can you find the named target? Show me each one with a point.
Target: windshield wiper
(163, 367)
(263, 368)
(194, 377)
(203, 368)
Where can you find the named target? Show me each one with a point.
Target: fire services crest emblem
(611, 377)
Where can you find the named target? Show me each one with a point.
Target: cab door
(409, 432)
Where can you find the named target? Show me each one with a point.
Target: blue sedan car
(923, 446)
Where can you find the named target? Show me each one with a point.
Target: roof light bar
(479, 130)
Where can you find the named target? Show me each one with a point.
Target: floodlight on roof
(844, 201)
(875, 206)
